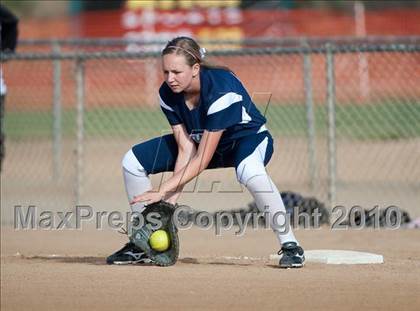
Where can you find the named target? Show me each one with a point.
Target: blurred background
(337, 80)
(215, 19)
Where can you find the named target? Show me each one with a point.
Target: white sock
(135, 179)
(268, 197)
(134, 186)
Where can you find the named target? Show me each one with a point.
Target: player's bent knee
(247, 171)
(132, 165)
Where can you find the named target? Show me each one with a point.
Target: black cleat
(129, 254)
(293, 256)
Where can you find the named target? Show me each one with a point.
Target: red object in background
(245, 23)
(254, 23)
(158, 24)
(101, 24)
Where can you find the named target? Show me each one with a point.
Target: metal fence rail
(327, 48)
(345, 116)
(103, 42)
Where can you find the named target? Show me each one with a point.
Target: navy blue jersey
(224, 105)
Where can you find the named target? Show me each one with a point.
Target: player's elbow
(187, 149)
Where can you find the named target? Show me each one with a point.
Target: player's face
(178, 74)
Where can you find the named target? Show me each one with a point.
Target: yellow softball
(159, 240)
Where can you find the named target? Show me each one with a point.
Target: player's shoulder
(218, 75)
(217, 81)
(166, 95)
(164, 90)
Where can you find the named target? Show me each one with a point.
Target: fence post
(56, 130)
(80, 96)
(332, 165)
(363, 66)
(310, 119)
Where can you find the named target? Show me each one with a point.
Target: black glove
(140, 236)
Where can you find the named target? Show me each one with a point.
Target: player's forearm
(181, 162)
(183, 176)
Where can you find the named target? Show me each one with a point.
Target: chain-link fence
(345, 116)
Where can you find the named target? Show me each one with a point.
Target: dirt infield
(59, 270)
(56, 270)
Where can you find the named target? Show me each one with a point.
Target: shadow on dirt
(100, 261)
(69, 259)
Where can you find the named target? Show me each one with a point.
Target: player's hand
(148, 197)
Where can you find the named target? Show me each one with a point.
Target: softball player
(215, 124)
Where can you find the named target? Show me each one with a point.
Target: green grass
(383, 121)
(105, 122)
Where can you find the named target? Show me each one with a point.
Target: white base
(338, 257)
